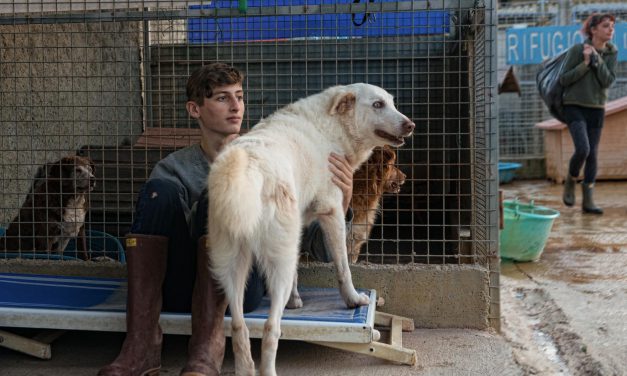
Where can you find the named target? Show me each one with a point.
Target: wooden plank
(124, 154)
(48, 336)
(385, 320)
(396, 333)
(170, 137)
(25, 345)
(377, 350)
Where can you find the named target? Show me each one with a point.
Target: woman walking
(587, 74)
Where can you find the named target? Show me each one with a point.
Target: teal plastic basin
(525, 231)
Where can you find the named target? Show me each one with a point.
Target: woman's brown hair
(593, 21)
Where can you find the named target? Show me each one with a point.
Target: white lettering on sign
(532, 45)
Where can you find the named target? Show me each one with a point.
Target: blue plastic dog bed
(53, 302)
(98, 304)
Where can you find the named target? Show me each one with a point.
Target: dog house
(106, 80)
(559, 148)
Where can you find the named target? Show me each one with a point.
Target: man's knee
(160, 190)
(157, 205)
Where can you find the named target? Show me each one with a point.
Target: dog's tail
(235, 189)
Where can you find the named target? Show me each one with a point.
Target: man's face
(223, 112)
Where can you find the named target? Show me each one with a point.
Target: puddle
(581, 248)
(577, 267)
(549, 348)
(569, 305)
(550, 345)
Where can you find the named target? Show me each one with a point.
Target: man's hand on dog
(343, 177)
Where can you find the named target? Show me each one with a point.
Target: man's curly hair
(204, 80)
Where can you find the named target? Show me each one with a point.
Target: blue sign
(532, 45)
(336, 26)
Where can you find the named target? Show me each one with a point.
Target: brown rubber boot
(206, 345)
(146, 257)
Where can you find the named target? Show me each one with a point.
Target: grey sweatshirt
(188, 168)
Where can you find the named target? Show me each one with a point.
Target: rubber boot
(206, 345)
(588, 201)
(141, 352)
(569, 191)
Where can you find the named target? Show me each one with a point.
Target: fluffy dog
(267, 184)
(55, 208)
(377, 176)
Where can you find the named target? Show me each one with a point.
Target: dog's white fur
(266, 185)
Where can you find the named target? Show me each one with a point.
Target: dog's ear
(376, 157)
(342, 103)
(68, 170)
(53, 170)
(388, 154)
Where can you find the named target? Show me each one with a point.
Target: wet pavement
(566, 314)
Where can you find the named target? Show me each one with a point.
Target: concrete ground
(440, 352)
(565, 314)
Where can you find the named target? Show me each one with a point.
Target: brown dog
(377, 176)
(55, 208)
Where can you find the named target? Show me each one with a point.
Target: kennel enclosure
(106, 80)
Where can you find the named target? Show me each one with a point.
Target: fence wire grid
(106, 80)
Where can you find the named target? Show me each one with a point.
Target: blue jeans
(159, 211)
(585, 126)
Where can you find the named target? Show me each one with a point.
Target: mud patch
(576, 266)
(548, 346)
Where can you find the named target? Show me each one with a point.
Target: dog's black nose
(409, 126)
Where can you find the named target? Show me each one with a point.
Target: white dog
(266, 185)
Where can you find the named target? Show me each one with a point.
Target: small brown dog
(377, 176)
(54, 210)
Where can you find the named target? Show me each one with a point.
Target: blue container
(507, 171)
(525, 231)
(99, 244)
(57, 292)
(314, 26)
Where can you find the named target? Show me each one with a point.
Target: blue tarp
(312, 26)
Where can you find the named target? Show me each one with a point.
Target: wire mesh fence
(106, 80)
(518, 139)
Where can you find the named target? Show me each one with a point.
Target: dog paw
(294, 302)
(357, 300)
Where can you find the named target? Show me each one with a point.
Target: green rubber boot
(569, 191)
(588, 202)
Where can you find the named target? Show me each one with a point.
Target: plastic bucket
(526, 230)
